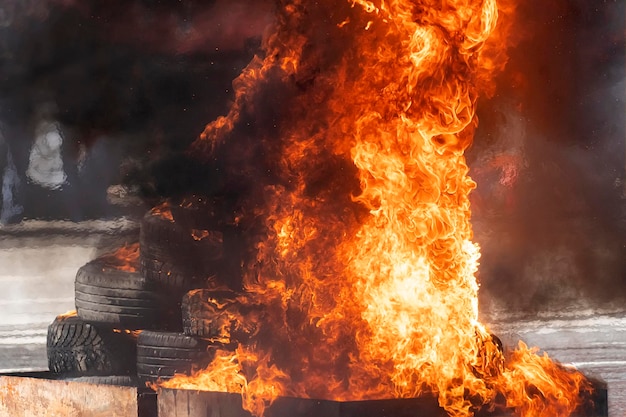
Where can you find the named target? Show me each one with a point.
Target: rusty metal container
(183, 403)
(27, 396)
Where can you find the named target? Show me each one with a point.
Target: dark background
(132, 83)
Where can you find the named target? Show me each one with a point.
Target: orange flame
(133, 333)
(226, 374)
(368, 278)
(70, 313)
(126, 258)
(164, 211)
(535, 386)
(198, 234)
(231, 318)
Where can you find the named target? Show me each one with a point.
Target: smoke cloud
(142, 78)
(549, 160)
(131, 85)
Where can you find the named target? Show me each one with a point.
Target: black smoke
(549, 159)
(133, 83)
(129, 84)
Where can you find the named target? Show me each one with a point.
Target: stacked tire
(98, 341)
(78, 348)
(162, 355)
(128, 325)
(124, 298)
(178, 252)
(225, 317)
(182, 248)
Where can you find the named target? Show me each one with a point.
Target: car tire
(174, 253)
(126, 299)
(162, 355)
(76, 347)
(221, 316)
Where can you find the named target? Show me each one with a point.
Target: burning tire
(221, 316)
(123, 298)
(161, 355)
(177, 252)
(76, 347)
(168, 276)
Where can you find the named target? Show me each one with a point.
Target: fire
(535, 385)
(226, 374)
(133, 333)
(69, 313)
(366, 267)
(231, 318)
(126, 258)
(164, 211)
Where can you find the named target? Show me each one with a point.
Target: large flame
(366, 270)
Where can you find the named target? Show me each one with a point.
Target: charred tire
(222, 316)
(163, 234)
(161, 355)
(122, 298)
(75, 347)
(175, 254)
(165, 275)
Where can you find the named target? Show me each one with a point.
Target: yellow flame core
(369, 291)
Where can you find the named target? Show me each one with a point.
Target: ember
(133, 333)
(163, 211)
(365, 266)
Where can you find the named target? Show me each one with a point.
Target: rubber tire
(76, 347)
(171, 257)
(122, 298)
(173, 236)
(161, 355)
(220, 316)
(165, 275)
